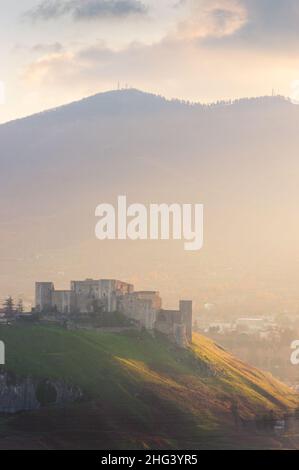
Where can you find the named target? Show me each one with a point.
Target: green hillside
(139, 392)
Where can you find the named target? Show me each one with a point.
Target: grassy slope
(143, 392)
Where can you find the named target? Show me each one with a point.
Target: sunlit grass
(144, 380)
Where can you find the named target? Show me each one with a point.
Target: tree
(9, 307)
(20, 306)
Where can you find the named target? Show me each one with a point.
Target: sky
(57, 51)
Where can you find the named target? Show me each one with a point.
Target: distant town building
(249, 324)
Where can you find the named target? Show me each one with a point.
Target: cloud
(239, 23)
(99, 67)
(273, 21)
(260, 24)
(48, 9)
(117, 8)
(46, 68)
(213, 18)
(273, 15)
(191, 71)
(218, 49)
(242, 23)
(47, 48)
(86, 9)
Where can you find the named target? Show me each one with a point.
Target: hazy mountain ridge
(240, 160)
(132, 100)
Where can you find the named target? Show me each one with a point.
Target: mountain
(141, 392)
(239, 159)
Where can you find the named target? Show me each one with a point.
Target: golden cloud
(213, 18)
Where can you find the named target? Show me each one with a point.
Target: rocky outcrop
(25, 394)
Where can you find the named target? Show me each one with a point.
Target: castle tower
(186, 311)
(43, 296)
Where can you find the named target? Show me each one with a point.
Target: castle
(110, 295)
